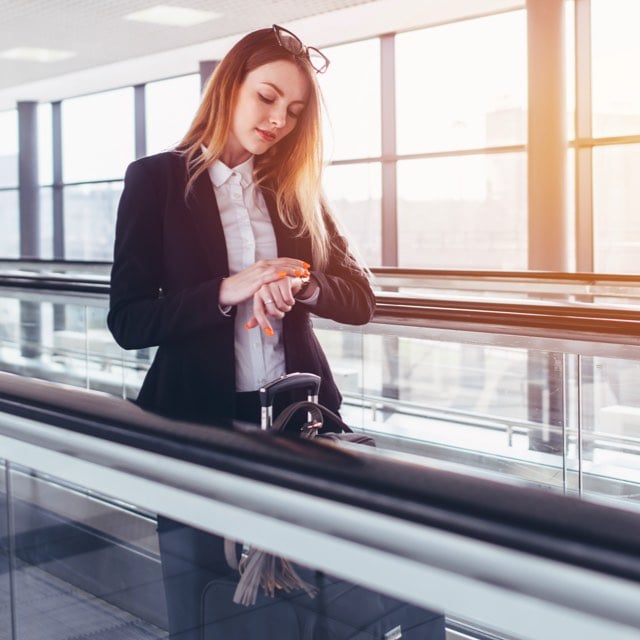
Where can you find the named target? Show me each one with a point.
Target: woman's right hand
(244, 284)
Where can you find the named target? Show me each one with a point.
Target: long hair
(292, 168)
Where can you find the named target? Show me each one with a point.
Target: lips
(266, 135)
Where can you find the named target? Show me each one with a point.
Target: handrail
(612, 323)
(527, 281)
(576, 283)
(545, 523)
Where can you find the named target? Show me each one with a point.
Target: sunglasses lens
(318, 61)
(291, 43)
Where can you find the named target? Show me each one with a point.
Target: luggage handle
(297, 380)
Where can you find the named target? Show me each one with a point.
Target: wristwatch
(305, 283)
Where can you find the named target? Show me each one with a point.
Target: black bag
(277, 600)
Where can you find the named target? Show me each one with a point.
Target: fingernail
(282, 274)
(247, 326)
(306, 265)
(298, 272)
(268, 331)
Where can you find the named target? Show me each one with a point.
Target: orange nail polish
(268, 331)
(282, 274)
(306, 265)
(298, 272)
(247, 326)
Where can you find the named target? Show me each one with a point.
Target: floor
(47, 608)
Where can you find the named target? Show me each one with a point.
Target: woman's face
(270, 100)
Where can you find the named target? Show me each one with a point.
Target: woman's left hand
(274, 300)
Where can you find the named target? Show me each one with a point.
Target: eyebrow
(281, 93)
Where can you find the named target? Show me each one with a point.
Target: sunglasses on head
(293, 44)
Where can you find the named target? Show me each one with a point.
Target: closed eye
(265, 99)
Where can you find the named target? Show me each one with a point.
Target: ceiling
(110, 51)
(97, 33)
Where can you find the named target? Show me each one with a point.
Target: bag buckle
(309, 430)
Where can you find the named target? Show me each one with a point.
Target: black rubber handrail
(545, 523)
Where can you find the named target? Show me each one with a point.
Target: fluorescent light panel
(35, 54)
(172, 16)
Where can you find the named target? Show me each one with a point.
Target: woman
(224, 247)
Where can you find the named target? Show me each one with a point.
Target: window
(45, 145)
(355, 192)
(10, 224)
(90, 216)
(351, 90)
(170, 107)
(614, 59)
(8, 149)
(616, 194)
(463, 85)
(97, 136)
(466, 212)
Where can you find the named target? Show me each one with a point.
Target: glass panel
(8, 148)
(570, 196)
(467, 212)
(570, 62)
(485, 407)
(614, 56)
(610, 436)
(89, 225)
(616, 199)
(84, 566)
(87, 566)
(463, 85)
(68, 343)
(170, 107)
(322, 604)
(354, 192)
(5, 576)
(46, 223)
(97, 136)
(559, 420)
(45, 145)
(351, 88)
(10, 224)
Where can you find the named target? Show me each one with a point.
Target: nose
(278, 116)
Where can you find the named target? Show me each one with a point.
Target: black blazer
(169, 260)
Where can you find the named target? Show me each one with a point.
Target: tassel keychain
(261, 569)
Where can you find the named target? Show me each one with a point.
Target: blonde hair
(291, 169)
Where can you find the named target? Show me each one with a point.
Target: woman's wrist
(308, 289)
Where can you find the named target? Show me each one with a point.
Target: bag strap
(319, 414)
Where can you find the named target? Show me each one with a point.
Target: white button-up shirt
(249, 237)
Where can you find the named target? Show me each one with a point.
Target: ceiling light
(172, 16)
(34, 54)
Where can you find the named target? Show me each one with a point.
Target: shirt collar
(220, 172)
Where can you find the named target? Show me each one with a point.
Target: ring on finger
(268, 301)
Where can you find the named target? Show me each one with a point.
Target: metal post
(207, 67)
(28, 186)
(548, 225)
(547, 139)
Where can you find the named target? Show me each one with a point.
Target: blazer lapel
(205, 215)
(289, 245)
